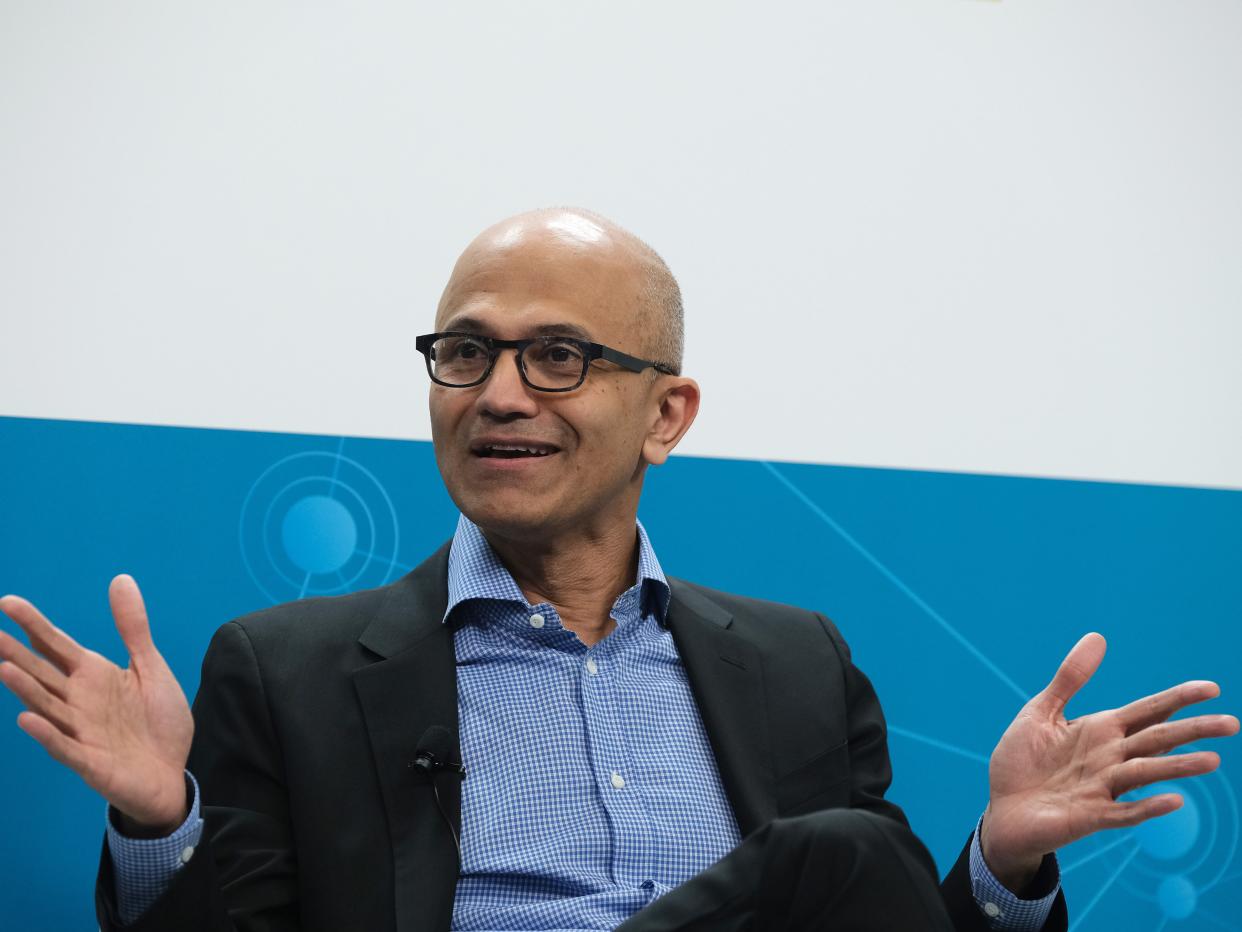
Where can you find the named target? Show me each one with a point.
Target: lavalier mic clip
(434, 750)
(431, 758)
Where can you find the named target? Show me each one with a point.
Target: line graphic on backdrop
(336, 464)
(1230, 878)
(1212, 917)
(896, 581)
(330, 494)
(937, 743)
(1104, 887)
(1087, 859)
(374, 556)
(317, 523)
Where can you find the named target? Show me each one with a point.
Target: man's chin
(518, 516)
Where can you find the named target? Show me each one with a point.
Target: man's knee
(855, 838)
(848, 869)
(846, 826)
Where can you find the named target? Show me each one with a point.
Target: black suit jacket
(309, 713)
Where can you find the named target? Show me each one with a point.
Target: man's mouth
(512, 450)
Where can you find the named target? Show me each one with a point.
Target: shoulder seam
(267, 705)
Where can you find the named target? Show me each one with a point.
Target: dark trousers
(839, 870)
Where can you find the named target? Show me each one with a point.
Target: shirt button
(536, 620)
(617, 780)
(991, 909)
(186, 855)
(592, 667)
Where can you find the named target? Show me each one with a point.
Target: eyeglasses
(546, 364)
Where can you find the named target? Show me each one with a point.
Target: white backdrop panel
(1008, 234)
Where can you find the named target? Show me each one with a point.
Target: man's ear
(678, 404)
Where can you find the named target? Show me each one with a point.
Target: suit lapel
(411, 689)
(726, 677)
(414, 686)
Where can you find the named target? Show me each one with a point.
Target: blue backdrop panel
(959, 595)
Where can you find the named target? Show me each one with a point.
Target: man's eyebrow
(466, 323)
(563, 330)
(474, 325)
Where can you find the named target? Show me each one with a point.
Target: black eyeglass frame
(590, 352)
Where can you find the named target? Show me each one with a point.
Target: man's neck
(581, 577)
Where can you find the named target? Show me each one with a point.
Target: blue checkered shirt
(143, 868)
(592, 787)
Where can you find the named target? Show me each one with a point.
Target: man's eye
(560, 354)
(458, 350)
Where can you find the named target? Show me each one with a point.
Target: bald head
(635, 268)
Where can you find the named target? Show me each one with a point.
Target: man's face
(529, 277)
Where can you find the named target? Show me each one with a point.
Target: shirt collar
(475, 572)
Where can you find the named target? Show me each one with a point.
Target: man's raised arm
(127, 733)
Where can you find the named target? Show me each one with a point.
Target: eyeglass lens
(549, 362)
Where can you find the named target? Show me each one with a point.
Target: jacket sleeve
(871, 774)
(242, 876)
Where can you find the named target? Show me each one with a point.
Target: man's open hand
(1054, 781)
(125, 732)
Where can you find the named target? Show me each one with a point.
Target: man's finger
(50, 641)
(1144, 771)
(14, 651)
(130, 615)
(1156, 708)
(1164, 737)
(30, 691)
(1078, 666)
(61, 747)
(1126, 815)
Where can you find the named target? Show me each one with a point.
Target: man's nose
(504, 394)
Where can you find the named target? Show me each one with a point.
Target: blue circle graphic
(319, 534)
(317, 523)
(1187, 853)
(1177, 897)
(1170, 836)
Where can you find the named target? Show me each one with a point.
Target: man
(637, 749)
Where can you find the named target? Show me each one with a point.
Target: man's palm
(125, 732)
(1054, 781)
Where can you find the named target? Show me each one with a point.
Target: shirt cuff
(145, 867)
(1003, 910)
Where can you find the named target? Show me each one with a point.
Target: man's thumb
(130, 615)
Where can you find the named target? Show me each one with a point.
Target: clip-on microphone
(431, 759)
